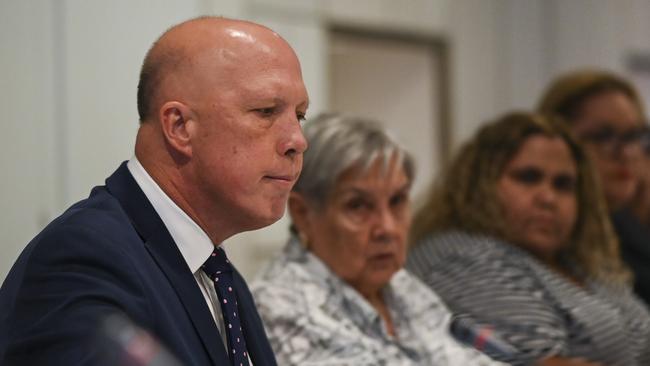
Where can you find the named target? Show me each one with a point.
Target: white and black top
(313, 317)
(536, 310)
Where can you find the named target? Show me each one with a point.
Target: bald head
(174, 58)
(220, 105)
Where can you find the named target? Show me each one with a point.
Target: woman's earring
(304, 239)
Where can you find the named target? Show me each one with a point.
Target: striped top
(531, 307)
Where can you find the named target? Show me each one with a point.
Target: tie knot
(217, 263)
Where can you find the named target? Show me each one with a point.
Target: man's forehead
(277, 91)
(242, 36)
(196, 36)
(246, 57)
(239, 51)
(233, 54)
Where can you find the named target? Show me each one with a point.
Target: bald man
(218, 149)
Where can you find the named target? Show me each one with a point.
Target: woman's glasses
(611, 142)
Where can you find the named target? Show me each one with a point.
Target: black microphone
(122, 343)
(483, 338)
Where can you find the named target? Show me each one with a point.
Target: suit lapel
(170, 260)
(162, 248)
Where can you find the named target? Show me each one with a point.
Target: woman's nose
(546, 195)
(385, 223)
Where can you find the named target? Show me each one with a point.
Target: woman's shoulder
(406, 286)
(461, 243)
(293, 276)
(288, 268)
(437, 249)
(416, 300)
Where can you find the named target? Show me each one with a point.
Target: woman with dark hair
(516, 236)
(605, 113)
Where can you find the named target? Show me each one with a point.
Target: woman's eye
(601, 135)
(356, 204)
(528, 175)
(398, 199)
(564, 183)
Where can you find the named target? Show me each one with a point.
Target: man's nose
(293, 142)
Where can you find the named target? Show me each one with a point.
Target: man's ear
(299, 210)
(177, 123)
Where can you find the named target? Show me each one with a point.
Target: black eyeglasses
(645, 142)
(611, 141)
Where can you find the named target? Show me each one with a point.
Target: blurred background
(432, 70)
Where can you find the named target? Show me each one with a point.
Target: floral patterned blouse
(312, 317)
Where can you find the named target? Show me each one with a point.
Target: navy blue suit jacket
(112, 253)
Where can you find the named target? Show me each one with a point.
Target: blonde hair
(465, 197)
(566, 95)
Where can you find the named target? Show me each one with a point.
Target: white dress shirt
(193, 243)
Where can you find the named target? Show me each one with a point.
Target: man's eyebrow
(260, 97)
(283, 102)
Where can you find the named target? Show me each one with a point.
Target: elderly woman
(516, 236)
(605, 112)
(337, 293)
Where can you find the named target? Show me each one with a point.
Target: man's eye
(301, 116)
(266, 112)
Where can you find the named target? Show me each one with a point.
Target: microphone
(483, 338)
(121, 342)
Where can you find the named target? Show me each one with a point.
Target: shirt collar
(193, 243)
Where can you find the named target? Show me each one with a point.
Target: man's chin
(264, 220)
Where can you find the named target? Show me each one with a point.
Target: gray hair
(338, 143)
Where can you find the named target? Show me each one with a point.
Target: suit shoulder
(95, 228)
(101, 212)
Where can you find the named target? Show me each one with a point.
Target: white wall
(68, 70)
(103, 44)
(27, 101)
(548, 37)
